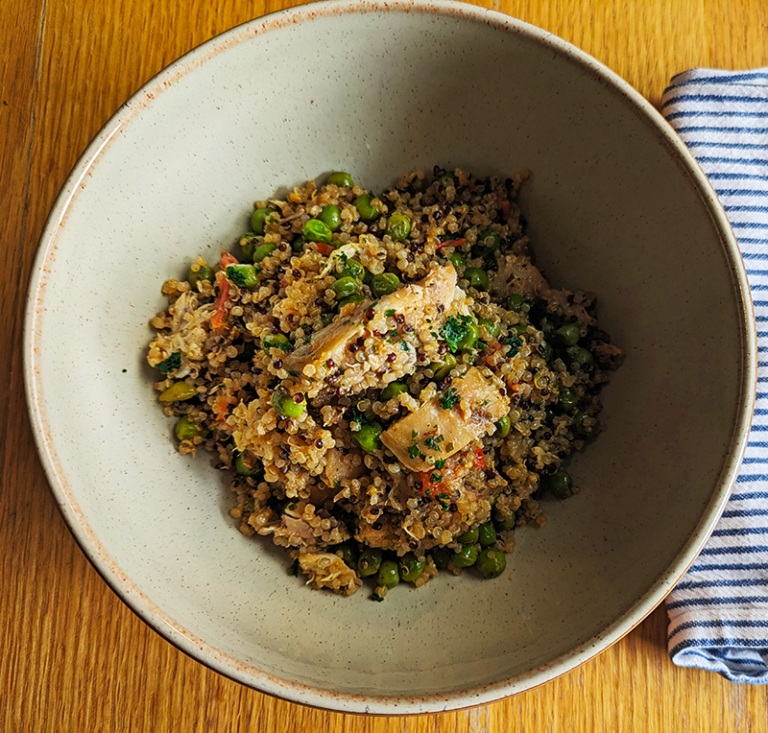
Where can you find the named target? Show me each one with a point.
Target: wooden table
(72, 657)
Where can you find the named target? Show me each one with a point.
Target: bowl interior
(378, 92)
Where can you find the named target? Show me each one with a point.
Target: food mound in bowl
(389, 379)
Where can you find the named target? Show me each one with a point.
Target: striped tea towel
(719, 611)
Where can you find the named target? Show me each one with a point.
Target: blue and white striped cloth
(719, 612)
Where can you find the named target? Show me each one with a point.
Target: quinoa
(386, 378)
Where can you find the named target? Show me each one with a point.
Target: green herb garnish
(431, 443)
(450, 398)
(454, 330)
(171, 364)
(514, 342)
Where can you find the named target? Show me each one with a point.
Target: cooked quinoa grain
(389, 380)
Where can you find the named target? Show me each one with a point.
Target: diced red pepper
(217, 319)
(506, 208)
(227, 260)
(324, 249)
(220, 407)
(479, 458)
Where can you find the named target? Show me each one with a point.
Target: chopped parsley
(294, 569)
(450, 398)
(377, 598)
(413, 449)
(440, 464)
(171, 364)
(431, 443)
(404, 346)
(436, 478)
(455, 330)
(356, 416)
(514, 342)
(443, 500)
(389, 313)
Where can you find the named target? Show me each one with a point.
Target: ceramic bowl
(616, 205)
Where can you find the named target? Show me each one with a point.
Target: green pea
(345, 286)
(348, 552)
(246, 244)
(298, 244)
(568, 334)
(491, 326)
(520, 328)
(504, 525)
(356, 298)
(388, 574)
(398, 226)
(559, 484)
(486, 534)
(548, 352)
(178, 392)
(264, 250)
(368, 437)
(471, 337)
(353, 269)
(287, 406)
(204, 273)
(411, 567)
(568, 399)
(441, 556)
(441, 369)
(456, 260)
(503, 426)
(259, 219)
(384, 284)
(330, 217)
(469, 537)
(488, 240)
(244, 276)
(466, 557)
(579, 428)
(240, 467)
(367, 211)
(187, 430)
(515, 302)
(392, 390)
(477, 278)
(491, 562)
(369, 562)
(582, 356)
(276, 341)
(316, 231)
(341, 179)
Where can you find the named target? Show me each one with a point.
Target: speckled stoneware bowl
(616, 205)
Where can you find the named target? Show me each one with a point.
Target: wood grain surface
(72, 657)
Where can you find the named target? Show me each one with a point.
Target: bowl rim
(206, 653)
